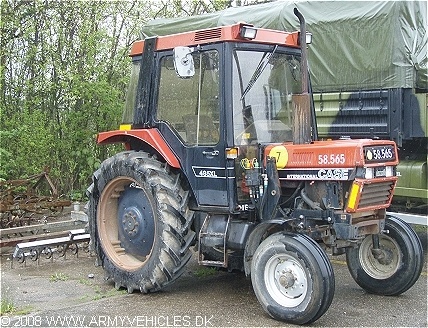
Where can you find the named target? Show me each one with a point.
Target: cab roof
(230, 33)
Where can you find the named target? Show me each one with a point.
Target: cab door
(189, 117)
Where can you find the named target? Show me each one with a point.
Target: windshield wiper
(258, 71)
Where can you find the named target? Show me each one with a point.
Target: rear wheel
(139, 222)
(397, 265)
(292, 278)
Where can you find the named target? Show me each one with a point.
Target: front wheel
(292, 278)
(392, 269)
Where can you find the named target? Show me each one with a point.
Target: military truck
(222, 153)
(368, 64)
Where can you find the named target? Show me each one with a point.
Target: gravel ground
(72, 292)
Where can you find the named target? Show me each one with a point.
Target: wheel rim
(286, 280)
(125, 221)
(384, 268)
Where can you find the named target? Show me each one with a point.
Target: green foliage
(58, 276)
(21, 152)
(6, 307)
(99, 294)
(63, 74)
(205, 272)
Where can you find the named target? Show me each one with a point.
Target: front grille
(376, 194)
(370, 194)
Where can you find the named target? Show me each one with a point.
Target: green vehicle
(368, 68)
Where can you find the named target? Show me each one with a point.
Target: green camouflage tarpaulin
(356, 44)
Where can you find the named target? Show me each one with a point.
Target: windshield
(263, 85)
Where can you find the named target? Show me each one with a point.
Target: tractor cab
(218, 102)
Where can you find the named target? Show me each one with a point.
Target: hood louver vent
(214, 33)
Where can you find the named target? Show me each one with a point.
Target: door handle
(211, 153)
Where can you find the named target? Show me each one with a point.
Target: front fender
(151, 137)
(256, 237)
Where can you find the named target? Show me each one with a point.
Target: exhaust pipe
(304, 58)
(302, 102)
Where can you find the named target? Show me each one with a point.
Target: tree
(62, 80)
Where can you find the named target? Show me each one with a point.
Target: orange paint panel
(333, 153)
(150, 136)
(137, 48)
(219, 34)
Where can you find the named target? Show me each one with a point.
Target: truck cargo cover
(356, 45)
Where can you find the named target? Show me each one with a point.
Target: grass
(205, 272)
(112, 292)
(85, 282)
(58, 276)
(7, 307)
(420, 228)
(23, 311)
(99, 293)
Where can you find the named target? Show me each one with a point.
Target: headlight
(389, 172)
(248, 32)
(378, 172)
(308, 37)
(368, 173)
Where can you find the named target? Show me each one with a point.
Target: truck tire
(139, 222)
(398, 270)
(292, 278)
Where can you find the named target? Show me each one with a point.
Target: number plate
(379, 153)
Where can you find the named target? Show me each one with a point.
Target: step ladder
(215, 238)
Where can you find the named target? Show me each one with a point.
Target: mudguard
(152, 137)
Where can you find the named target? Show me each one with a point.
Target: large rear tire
(139, 222)
(400, 265)
(292, 278)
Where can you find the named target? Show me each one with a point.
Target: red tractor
(222, 153)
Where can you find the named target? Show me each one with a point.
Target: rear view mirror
(183, 62)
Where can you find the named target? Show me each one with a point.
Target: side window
(191, 106)
(128, 112)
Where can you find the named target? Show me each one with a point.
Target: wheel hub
(135, 217)
(130, 221)
(287, 276)
(380, 263)
(287, 279)
(384, 256)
